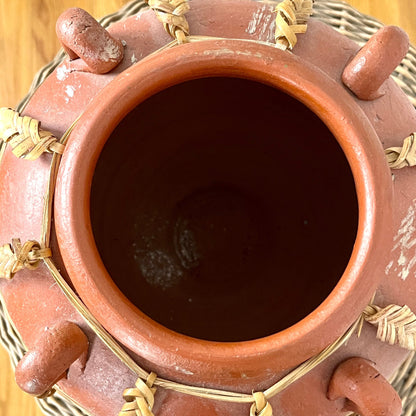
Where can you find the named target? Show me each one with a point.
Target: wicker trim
(25, 136)
(395, 324)
(172, 14)
(291, 19)
(18, 256)
(401, 157)
(346, 20)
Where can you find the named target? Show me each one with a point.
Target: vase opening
(224, 209)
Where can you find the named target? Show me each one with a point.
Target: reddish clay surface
(375, 62)
(366, 391)
(50, 357)
(380, 259)
(83, 37)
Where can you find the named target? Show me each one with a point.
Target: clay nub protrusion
(375, 62)
(83, 37)
(366, 391)
(51, 356)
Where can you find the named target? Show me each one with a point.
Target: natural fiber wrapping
(349, 22)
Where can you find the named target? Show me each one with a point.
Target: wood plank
(28, 41)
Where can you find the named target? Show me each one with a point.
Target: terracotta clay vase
(223, 208)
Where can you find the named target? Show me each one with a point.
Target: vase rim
(239, 59)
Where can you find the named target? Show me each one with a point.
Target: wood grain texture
(28, 41)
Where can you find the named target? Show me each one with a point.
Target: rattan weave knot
(16, 257)
(401, 157)
(345, 20)
(395, 324)
(172, 14)
(291, 19)
(25, 136)
(140, 400)
(260, 407)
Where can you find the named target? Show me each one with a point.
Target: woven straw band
(342, 18)
(401, 157)
(25, 136)
(395, 324)
(172, 14)
(16, 257)
(29, 141)
(140, 400)
(291, 19)
(260, 407)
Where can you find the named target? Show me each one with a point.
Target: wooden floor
(28, 41)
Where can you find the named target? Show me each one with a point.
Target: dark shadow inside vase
(224, 209)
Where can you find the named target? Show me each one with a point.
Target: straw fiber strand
(291, 18)
(18, 256)
(172, 14)
(354, 25)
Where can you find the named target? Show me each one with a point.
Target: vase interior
(224, 209)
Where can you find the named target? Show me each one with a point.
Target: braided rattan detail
(25, 137)
(140, 399)
(395, 324)
(347, 21)
(18, 256)
(260, 407)
(291, 18)
(401, 157)
(172, 14)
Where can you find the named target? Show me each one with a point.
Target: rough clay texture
(52, 354)
(367, 391)
(83, 37)
(66, 93)
(375, 62)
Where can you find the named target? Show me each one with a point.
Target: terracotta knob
(53, 353)
(366, 391)
(375, 62)
(83, 37)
